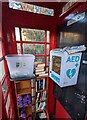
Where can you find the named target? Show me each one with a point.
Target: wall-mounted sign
(76, 18)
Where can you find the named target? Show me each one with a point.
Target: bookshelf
(24, 90)
(42, 97)
(31, 97)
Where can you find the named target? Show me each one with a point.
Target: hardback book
(42, 105)
(39, 84)
(41, 72)
(42, 115)
(42, 64)
(44, 74)
(43, 97)
(38, 62)
(38, 68)
(38, 97)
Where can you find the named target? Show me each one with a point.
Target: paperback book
(40, 84)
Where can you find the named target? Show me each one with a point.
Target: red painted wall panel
(14, 18)
(61, 112)
(51, 108)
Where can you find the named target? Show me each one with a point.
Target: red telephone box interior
(15, 18)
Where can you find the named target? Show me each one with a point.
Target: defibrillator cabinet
(64, 67)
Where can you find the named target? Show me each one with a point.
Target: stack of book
(40, 106)
(40, 69)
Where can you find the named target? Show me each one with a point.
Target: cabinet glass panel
(56, 64)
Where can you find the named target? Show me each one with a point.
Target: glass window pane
(32, 35)
(47, 60)
(33, 48)
(46, 11)
(0, 49)
(15, 5)
(8, 104)
(67, 5)
(17, 34)
(47, 69)
(48, 36)
(2, 71)
(18, 48)
(4, 88)
(27, 7)
(41, 59)
(31, 8)
(47, 49)
(36, 9)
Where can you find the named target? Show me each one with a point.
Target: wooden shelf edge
(45, 76)
(23, 92)
(41, 90)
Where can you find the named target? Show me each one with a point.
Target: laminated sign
(64, 65)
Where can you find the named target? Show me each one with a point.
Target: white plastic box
(20, 65)
(64, 68)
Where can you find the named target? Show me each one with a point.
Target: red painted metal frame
(61, 113)
(75, 9)
(31, 42)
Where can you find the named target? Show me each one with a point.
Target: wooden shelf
(41, 110)
(39, 101)
(23, 91)
(23, 87)
(41, 90)
(28, 111)
(42, 100)
(42, 77)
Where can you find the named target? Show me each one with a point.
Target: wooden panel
(23, 85)
(28, 111)
(23, 91)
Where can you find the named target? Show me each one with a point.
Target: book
(38, 62)
(41, 105)
(44, 74)
(40, 84)
(43, 83)
(42, 115)
(38, 68)
(42, 64)
(37, 97)
(40, 72)
(43, 97)
(32, 82)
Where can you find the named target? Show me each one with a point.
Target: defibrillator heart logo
(70, 72)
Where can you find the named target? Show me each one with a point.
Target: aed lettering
(73, 59)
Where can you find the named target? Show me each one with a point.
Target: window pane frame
(46, 43)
